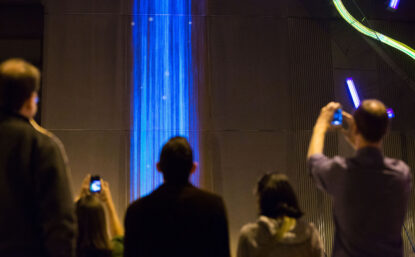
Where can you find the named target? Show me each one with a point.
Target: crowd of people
(39, 217)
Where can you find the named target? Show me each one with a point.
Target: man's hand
(326, 116)
(349, 132)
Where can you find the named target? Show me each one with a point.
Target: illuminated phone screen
(337, 118)
(95, 186)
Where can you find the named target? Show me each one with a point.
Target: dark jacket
(177, 221)
(37, 216)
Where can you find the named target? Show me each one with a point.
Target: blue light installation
(162, 95)
(394, 4)
(353, 92)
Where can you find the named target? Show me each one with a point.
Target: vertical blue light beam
(163, 103)
(353, 92)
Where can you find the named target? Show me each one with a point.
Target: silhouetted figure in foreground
(37, 212)
(177, 219)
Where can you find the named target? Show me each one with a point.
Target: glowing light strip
(353, 92)
(371, 33)
(394, 4)
(162, 88)
(356, 100)
(391, 113)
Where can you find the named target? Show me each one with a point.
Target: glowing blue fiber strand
(394, 4)
(162, 93)
(353, 92)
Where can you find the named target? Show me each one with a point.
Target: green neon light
(370, 32)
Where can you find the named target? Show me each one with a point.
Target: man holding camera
(37, 216)
(370, 192)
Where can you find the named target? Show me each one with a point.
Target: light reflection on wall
(162, 104)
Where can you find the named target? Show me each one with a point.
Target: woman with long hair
(93, 239)
(96, 236)
(279, 231)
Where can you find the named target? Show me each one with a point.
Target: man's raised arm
(320, 128)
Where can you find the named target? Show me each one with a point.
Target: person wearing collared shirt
(370, 192)
(37, 218)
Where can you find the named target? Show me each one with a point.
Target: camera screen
(95, 186)
(337, 118)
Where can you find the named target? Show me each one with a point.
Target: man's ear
(29, 107)
(27, 104)
(158, 166)
(194, 167)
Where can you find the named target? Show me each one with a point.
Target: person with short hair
(279, 230)
(37, 217)
(177, 219)
(370, 192)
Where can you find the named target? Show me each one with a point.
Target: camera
(337, 118)
(95, 184)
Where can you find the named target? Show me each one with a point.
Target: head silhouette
(277, 197)
(92, 224)
(371, 119)
(176, 160)
(19, 84)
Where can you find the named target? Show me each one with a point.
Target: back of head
(18, 80)
(371, 120)
(92, 225)
(277, 197)
(176, 160)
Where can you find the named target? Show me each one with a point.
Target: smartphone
(337, 118)
(95, 184)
